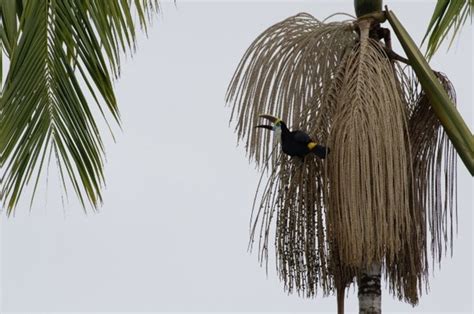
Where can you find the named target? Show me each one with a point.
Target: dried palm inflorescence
(434, 164)
(289, 64)
(369, 201)
(293, 196)
(369, 214)
(286, 69)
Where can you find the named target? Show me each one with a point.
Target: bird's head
(276, 122)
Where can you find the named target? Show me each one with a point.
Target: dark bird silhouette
(294, 143)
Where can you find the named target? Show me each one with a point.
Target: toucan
(293, 143)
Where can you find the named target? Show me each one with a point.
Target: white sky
(173, 231)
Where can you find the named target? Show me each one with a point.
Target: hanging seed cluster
(434, 166)
(389, 181)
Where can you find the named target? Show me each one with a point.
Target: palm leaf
(61, 52)
(448, 17)
(9, 11)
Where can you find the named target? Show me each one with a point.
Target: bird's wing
(302, 137)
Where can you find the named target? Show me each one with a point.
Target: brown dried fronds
(369, 168)
(434, 165)
(369, 173)
(293, 197)
(433, 190)
(289, 64)
(286, 72)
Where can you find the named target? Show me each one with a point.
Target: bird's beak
(269, 117)
(272, 119)
(263, 126)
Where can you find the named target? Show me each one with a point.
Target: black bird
(294, 143)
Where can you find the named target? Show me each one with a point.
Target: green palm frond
(448, 16)
(61, 53)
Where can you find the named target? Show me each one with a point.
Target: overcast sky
(172, 233)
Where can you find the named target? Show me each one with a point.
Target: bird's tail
(321, 151)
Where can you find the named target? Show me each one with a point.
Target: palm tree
(388, 187)
(59, 54)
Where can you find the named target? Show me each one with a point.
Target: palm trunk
(370, 294)
(340, 299)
